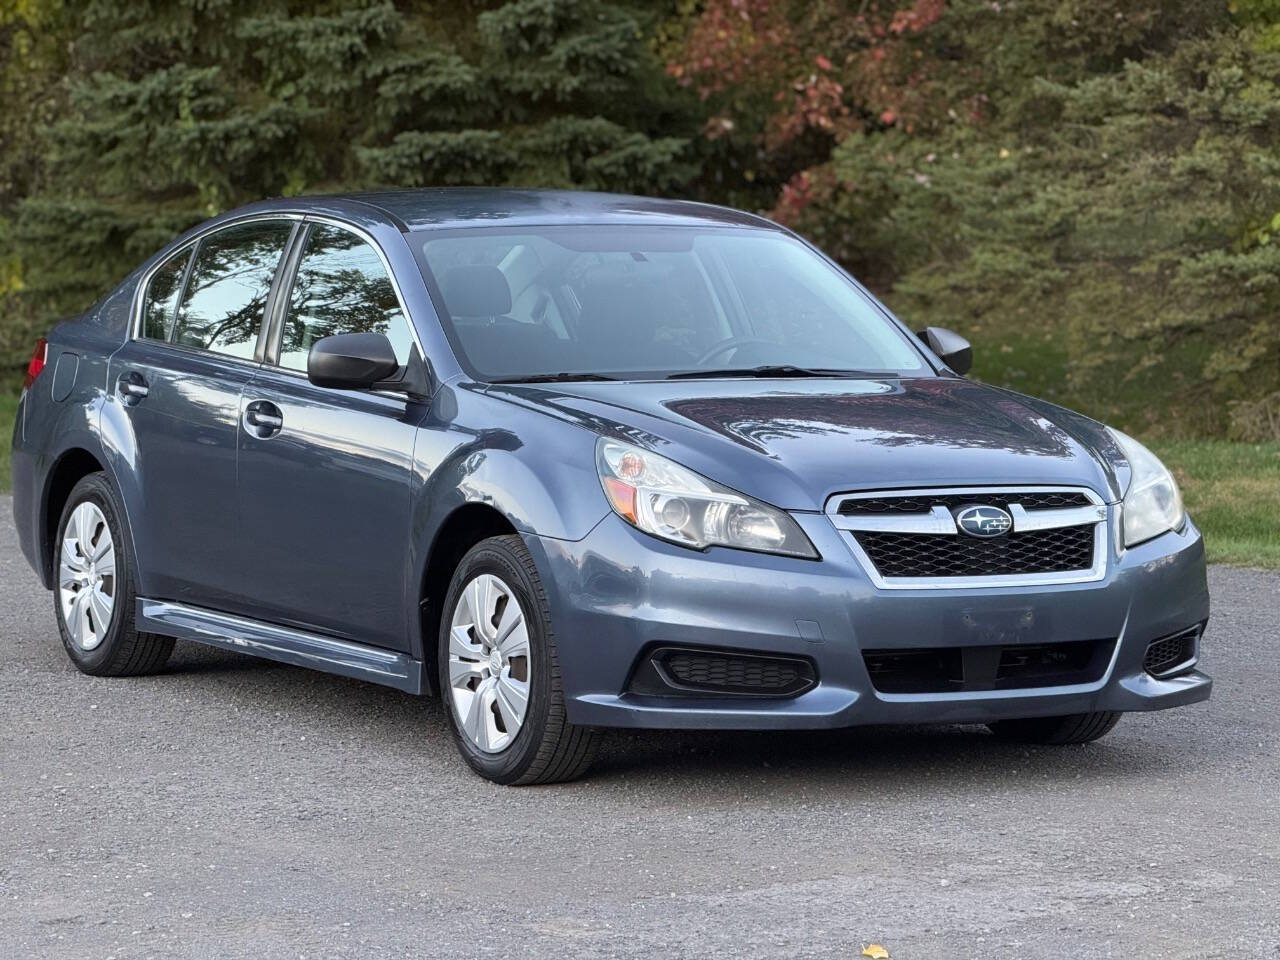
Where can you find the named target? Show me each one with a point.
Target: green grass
(8, 411)
(1232, 491)
(1031, 363)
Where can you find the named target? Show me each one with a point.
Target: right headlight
(1152, 504)
(664, 499)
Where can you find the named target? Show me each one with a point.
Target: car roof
(485, 206)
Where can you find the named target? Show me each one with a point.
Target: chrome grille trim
(1024, 519)
(939, 522)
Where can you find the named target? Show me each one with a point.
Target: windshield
(583, 301)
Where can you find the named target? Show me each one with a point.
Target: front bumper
(617, 592)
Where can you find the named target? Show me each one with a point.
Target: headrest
(476, 290)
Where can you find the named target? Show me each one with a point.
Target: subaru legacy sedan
(574, 461)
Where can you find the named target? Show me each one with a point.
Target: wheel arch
(466, 525)
(90, 445)
(70, 467)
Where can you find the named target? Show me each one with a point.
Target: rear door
(180, 378)
(324, 475)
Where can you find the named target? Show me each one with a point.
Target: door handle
(263, 419)
(132, 387)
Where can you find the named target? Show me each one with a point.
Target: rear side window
(160, 305)
(341, 287)
(226, 296)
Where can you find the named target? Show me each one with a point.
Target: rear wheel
(499, 671)
(94, 594)
(1074, 728)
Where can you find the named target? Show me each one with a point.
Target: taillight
(38, 358)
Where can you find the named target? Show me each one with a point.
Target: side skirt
(284, 644)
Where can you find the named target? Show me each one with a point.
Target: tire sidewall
(496, 558)
(96, 490)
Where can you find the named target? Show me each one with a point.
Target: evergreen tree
(1087, 188)
(1109, 224)
(173, 110)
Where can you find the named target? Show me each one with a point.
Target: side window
(226, 296)
(341, 287)
(160, 305)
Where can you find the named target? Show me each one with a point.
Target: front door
(325, 474)
(180, 380)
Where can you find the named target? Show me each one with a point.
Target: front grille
(1169, 654)
(921, 503)
(1007, 667)
(1059, 549)
(668, 671)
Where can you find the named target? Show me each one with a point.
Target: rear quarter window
(160, 305)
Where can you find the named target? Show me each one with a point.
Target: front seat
(476, 291)
(618, 319)
(478, 298)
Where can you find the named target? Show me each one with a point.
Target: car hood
(794, 443)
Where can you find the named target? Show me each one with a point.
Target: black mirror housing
(351, 361)
(951, 348)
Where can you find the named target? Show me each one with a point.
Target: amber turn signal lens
(623, 496)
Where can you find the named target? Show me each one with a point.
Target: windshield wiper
(766, 371)
(552, 378)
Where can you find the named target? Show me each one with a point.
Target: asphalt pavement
(231, 807)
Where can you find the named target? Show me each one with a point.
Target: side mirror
(951, 348)
(351, 361)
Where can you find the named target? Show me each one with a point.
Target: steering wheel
(724, 346)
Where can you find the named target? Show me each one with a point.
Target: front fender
(537, 472)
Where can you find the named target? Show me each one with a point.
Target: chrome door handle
(132, 387)
(259, 419)
(263, 419)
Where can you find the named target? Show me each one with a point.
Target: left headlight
(664, 499)
(1152, 504)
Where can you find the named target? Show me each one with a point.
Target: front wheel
(1055, 731)
(500, 674)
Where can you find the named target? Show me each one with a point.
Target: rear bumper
(617, 592)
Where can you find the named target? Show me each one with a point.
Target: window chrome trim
(140, 293)
(272, 354)
(299, 219)
(934, 524)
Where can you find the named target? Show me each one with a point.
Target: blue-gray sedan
(574, 461)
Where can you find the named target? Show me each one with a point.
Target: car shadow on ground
(959, 755)
(956, 755)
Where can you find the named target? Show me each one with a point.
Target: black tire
(547, 748)
(123, 651)
(1056, 731)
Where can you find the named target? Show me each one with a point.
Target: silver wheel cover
(489, 663)
(87, 576)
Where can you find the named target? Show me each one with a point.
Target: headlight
(663, 498)
(1152, 504)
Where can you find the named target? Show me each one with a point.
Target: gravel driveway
(234, 808)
